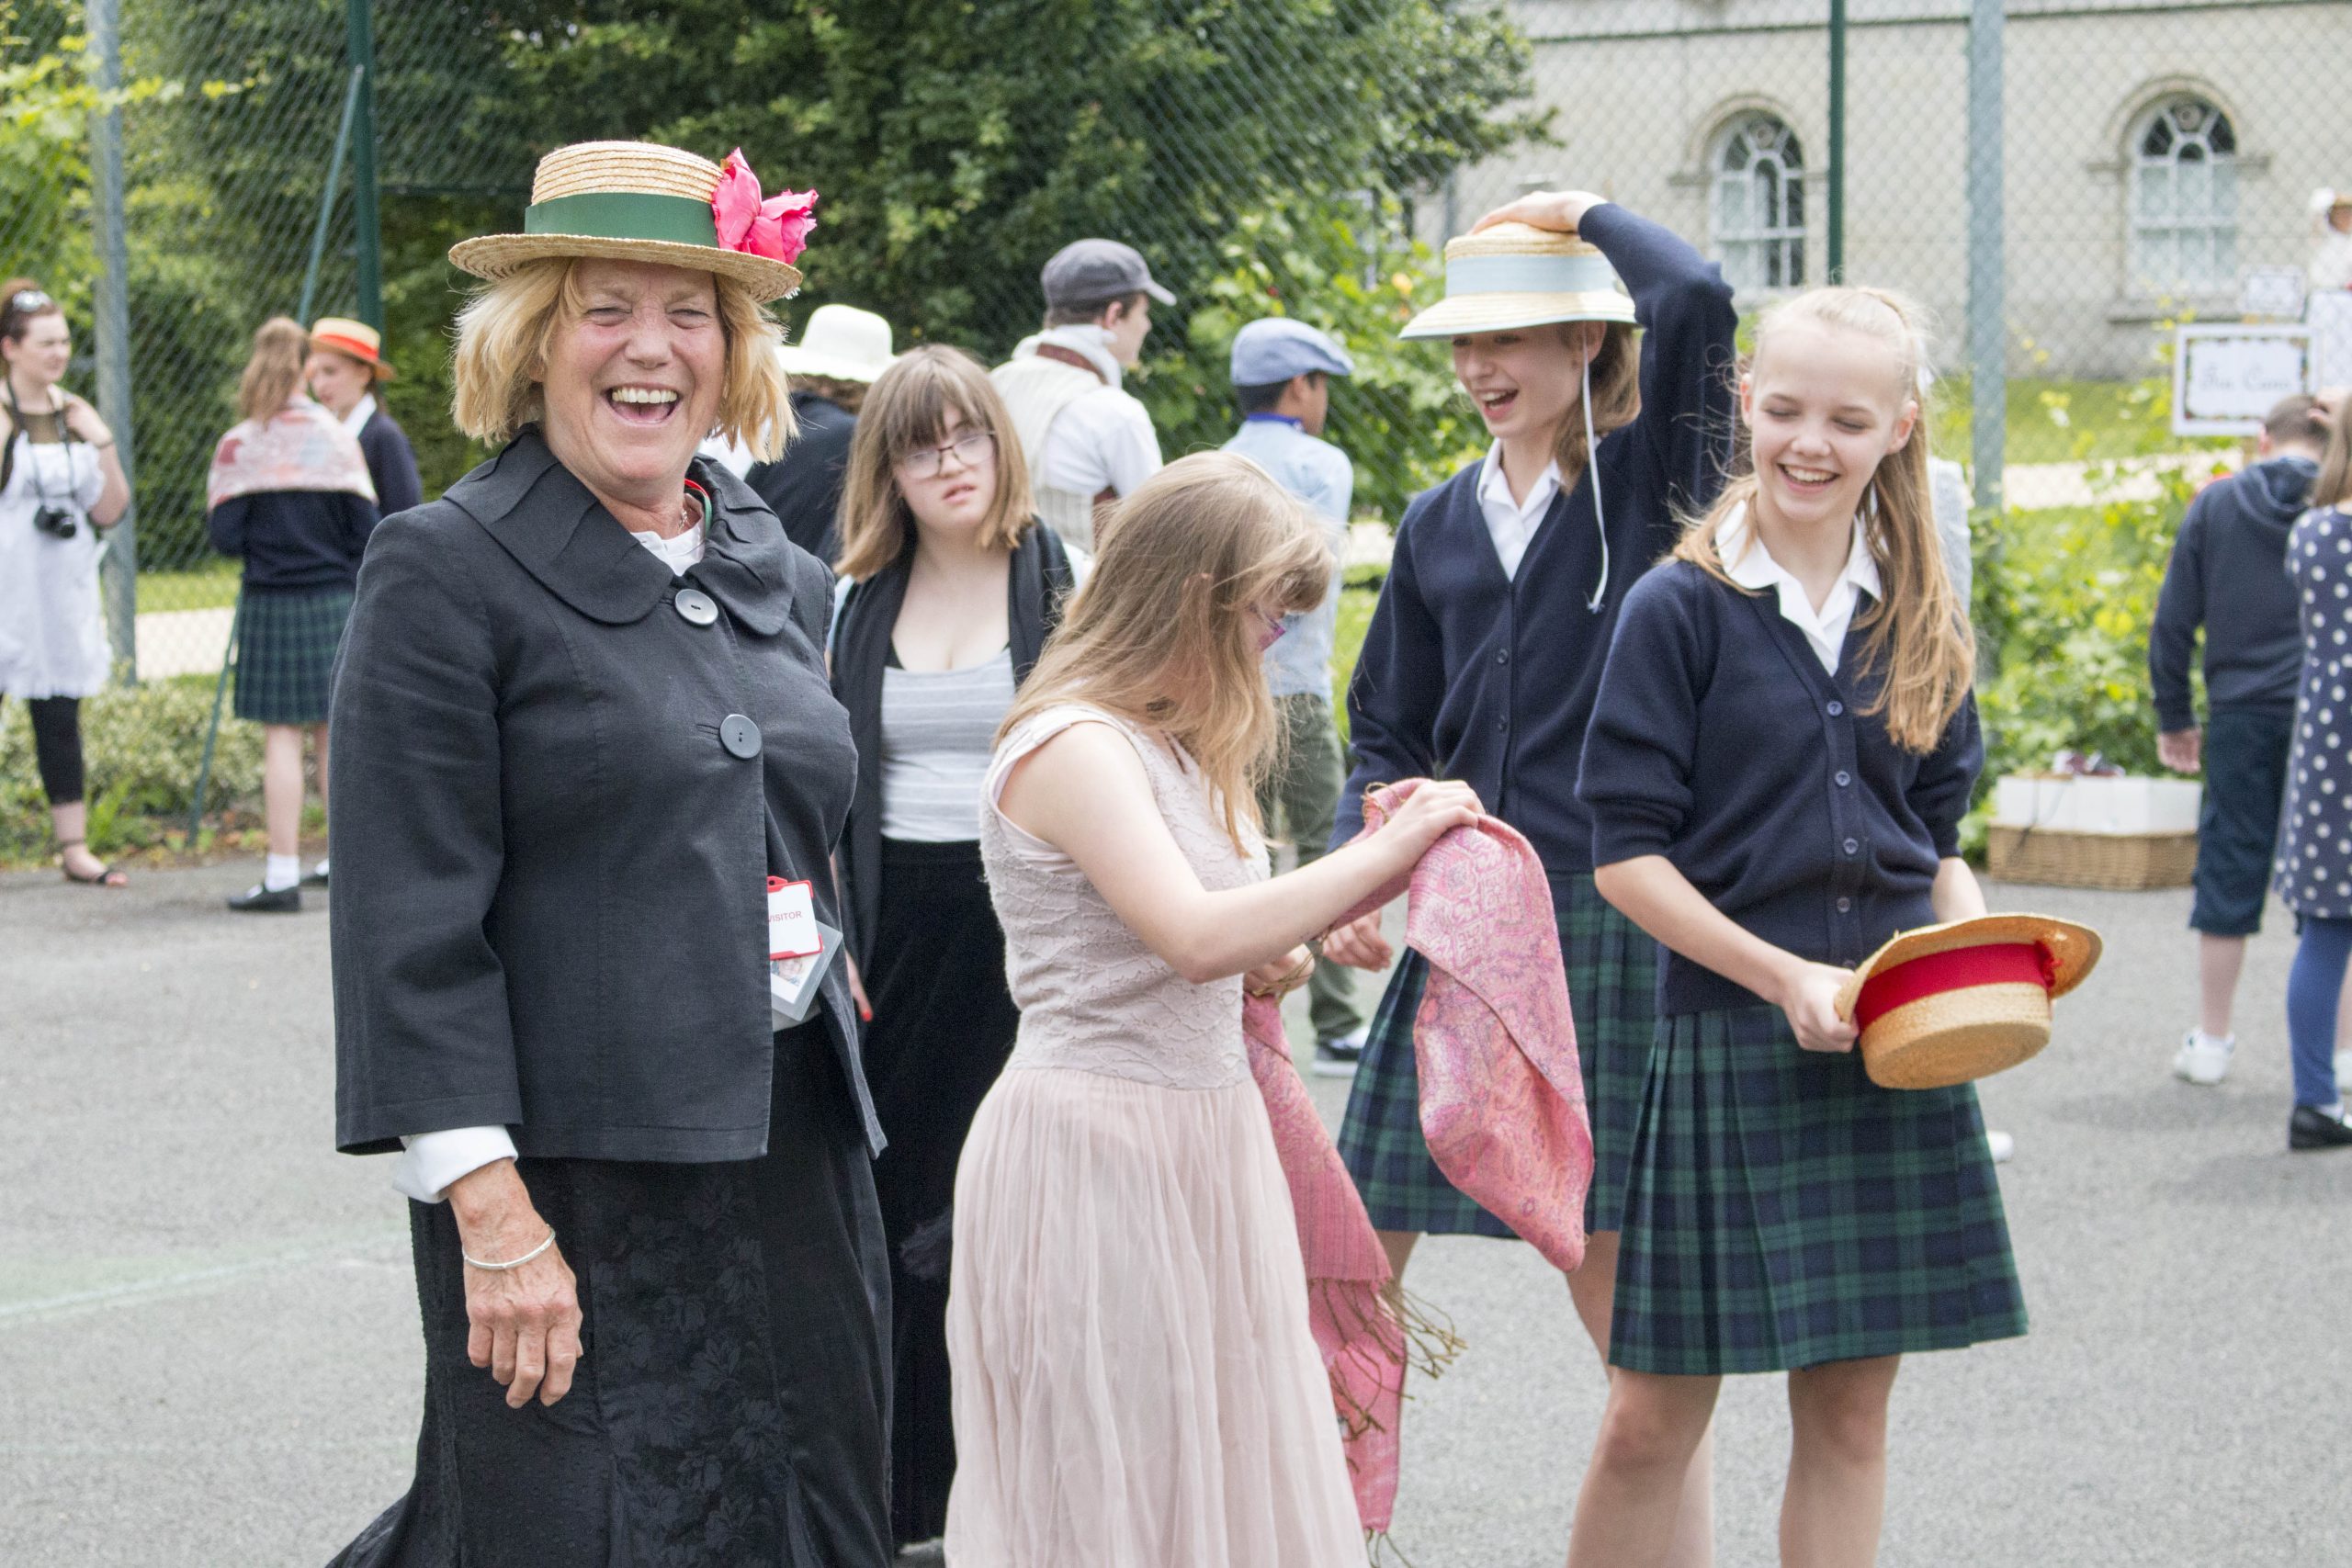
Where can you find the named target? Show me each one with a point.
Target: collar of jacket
(559, 533)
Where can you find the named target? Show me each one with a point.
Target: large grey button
(694, 607)
(737, 734)
(1837, 708)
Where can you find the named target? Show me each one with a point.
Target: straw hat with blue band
(625, 201)
(1514, 276)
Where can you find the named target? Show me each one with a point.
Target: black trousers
(733, 1405)
(57, 747)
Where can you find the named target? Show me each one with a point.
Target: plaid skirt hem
(1612, 975)
(286, 644)
(1782, 1211)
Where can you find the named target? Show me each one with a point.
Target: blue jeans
(2314, 987)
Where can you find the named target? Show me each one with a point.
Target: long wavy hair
(274, 374)
(1165, 634)
(1918, 634)
(906, 410)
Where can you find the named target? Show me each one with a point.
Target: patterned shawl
(301, 446)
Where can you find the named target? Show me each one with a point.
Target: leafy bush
(142, 748)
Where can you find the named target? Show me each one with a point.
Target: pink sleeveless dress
(1135, 1383)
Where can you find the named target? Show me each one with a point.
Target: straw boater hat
(841, 342)
(1948, 1003)
(1516, 275)
(353, 340)
(637, 202)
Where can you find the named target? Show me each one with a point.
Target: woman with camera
(61, 481)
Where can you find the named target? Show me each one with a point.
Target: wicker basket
(2126, 863)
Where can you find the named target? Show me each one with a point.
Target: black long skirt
(731, 1404)
(942, 1026)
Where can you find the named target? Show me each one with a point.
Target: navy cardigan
(1469, 674)
(1722, 744)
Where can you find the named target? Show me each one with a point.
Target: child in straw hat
(1783, 749)
(1483, 657)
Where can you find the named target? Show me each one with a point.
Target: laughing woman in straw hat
(1483, 656)
(1778, 759)
(590, 775)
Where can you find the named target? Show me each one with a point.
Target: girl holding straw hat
(590, 775)
(1484, 655)
(1783, 749)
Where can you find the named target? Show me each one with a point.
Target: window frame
(1749, 251)
(2215, 231)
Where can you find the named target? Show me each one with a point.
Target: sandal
(107, 876)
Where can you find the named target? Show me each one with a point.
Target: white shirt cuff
(430, 1162)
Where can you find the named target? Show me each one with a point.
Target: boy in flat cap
(1087, 440)
(1281, 373)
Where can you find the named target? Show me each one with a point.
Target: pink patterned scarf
(301, 446)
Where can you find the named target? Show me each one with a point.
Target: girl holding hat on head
(291, 492)
(61, 480)
(1483, 657)
(1783, 749)
(588, 986)
(832, 368)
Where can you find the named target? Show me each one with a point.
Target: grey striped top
(938, 730)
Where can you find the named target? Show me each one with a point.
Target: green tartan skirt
(1783, 1210)
(1612, 988)
(286, 647)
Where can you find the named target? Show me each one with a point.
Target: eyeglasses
(926, 462)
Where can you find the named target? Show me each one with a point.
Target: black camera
(56, 522)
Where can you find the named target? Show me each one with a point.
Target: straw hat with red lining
(1948, 1003)
(353, 340)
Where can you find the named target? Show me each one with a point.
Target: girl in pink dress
(1136, 1385)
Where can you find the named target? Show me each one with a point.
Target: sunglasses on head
(30, 299)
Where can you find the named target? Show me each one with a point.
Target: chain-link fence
(1286, 157)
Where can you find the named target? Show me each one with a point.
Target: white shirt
(1825, 629)
(429, 1162)
(361, 412)
(1512, 523)
(1104, 440)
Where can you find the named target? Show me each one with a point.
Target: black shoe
(2312, 1128)
(314, 877)
(260, 900)
(1336, 1058)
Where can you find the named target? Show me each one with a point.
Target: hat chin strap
(1592, 465)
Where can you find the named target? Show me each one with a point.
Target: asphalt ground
(209, 1349)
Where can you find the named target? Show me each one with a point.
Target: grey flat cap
(1275, 348)
(1095, 272)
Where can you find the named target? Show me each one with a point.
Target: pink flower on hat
(776, 229)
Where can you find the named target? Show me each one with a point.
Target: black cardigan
(551, 845)
(390, 463)
(1037, 583)
(803, 488)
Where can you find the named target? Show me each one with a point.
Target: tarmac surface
(209, 1349)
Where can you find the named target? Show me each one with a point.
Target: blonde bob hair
(1918, 635)
(1165, 634)
(906, 410)
(273, 375)
(507, 324)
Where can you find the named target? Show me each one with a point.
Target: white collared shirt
(361, 412)
(1512, 523)
(1825, 629)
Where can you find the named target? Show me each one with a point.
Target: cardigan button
(694, 607)
(1503, 656)
(1836, 709)
(1845, 906)
(1844, 778)
(740, 736)
(1852, 845)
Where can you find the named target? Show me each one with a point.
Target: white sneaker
(2343, 1072)
(2000, 1145)
(2205, 1061)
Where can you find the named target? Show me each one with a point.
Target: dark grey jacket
(551, 862)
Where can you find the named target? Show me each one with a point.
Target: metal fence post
(113, 327)
(1987, 325)
(368, 232)
(1837, 140)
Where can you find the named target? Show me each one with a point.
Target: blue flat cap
(1276, 348)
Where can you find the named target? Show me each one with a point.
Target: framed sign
(2225, 378)
(2271, 291)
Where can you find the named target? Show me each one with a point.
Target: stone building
(2154, 149)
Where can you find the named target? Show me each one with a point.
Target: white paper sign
(2272, 291)
(2225, 378)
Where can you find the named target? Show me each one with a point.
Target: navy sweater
(1722, 744)
(295, 539)
(2228, 574)
(391, 465)
(1472, 675)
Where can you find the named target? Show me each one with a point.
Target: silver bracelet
(473, 1262)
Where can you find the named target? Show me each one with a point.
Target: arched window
(1757, 213)
(2184, 201)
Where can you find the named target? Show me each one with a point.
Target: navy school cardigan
(1469, 674)
(1721, 743)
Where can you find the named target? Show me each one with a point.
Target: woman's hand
(1358, 944)
(1809, 997)
(1427, 815)
(1281, 977)
(857, 990)
(83, 420)
(525, 1322)
(1559, 210)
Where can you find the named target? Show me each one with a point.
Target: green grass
(2061, 420)
(208, 588)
